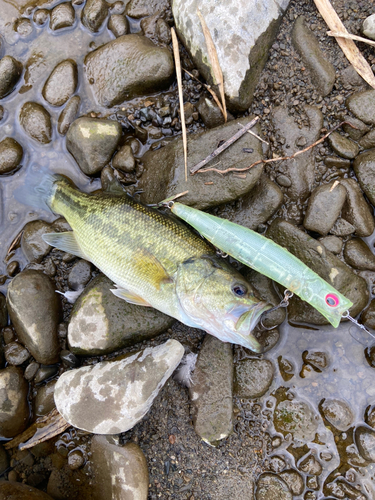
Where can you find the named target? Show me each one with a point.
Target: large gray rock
(257, 206)
(10, 73)
(111, 397)
(211, 391)
(92, 142)
(127, 67)
(101, 323)
(364, 168)
(34, 308)
(164, 173)
(120, 472)
(358, 255)
(321, 70)
(14, 409)
(324, 263)
(300, 170)
(61, 83)
(241, 40)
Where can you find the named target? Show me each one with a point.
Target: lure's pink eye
(332, 300)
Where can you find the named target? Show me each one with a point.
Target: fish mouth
(248, 321)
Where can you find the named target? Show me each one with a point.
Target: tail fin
(38, 188)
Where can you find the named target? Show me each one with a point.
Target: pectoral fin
(151, 269)
(130, 297)
(64, 241)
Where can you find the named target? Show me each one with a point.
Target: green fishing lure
(268, 258)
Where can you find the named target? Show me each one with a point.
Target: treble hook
(284, 303)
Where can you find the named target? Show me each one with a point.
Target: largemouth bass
(154, 260)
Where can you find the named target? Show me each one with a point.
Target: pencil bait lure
(268, 258)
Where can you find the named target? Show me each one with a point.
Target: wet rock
(40, 16)
(325, 204)
(364, 168)
(310, 465)
(317, 359)
(31, 370)
(297, 418)
(62, 16)
(356, 210)
(321, 70)
(15, 354)
(362, 105)
(92, 142)
(76, 460)
(23, 27)
(368, 141)
(148, 26)
(163, 31)
(32, 243)
(256, 207)
(11, 153)
(79, 275)
(68, 115)
(368, 315)
(61, 83)
(14, 410)
(69, 359)
(94, 14)
(143, 8)
(130, 386)
(111, 322)
(124, 159)
(342, 228)
(365, 440)
(3, 311)
(359, 130)
(324, 263)
(45, 372)
(242, 42)
(253, 377)
(44, 402)
(10, 73)
(34, 310)
(2, 113)
(210, 112)
(272, 487)
(337, 413)
(300, 170)
(368, 27)
(19, 491)
(370, 417)
(164, 173)
(294, 480)
(332, 243)
(358, 255)
(211, 391)
(344, 147)
(119, 25)
(36, 121)
(4, 460)
(267, 339)
(120, 471)
(370, 356)
(277, 464)
(336, 161)
(115, 72)
(266, 291)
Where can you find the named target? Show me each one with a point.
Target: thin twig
(214, 60)
(176, 55)
(224, 146)
(351, 51)
(244, 169)
(255, 135)
(350, 37)
(209, 90)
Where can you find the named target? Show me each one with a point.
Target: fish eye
(332, 300)
(239, 290)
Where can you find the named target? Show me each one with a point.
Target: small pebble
(31, 370)
(44, 372)
(16, 354)
(75, 459)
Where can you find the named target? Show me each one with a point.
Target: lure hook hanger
(346, 315)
